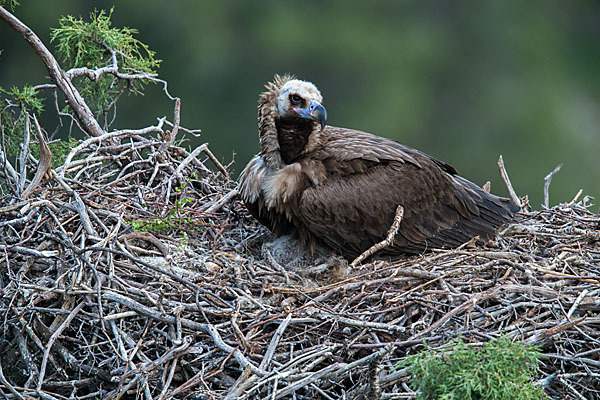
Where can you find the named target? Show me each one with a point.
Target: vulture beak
(314, 111)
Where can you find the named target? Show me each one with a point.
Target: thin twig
(53, 338)
(547, 181)
(384, 243)
(509, 186)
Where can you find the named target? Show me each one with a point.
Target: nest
(134, 271)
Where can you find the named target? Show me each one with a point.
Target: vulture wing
(369, 176)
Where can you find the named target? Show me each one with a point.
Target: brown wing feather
(274, 221)
(349, 144)
(370, 176)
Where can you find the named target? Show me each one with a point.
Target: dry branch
(509, 186)
(547, 181)
(83, 113)
(389, 239)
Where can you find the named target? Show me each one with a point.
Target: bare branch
(105, 136)
(172, 134)
(24, 155)
(384, 243)
(506, 179)
(44, 163)
(53, 338)
(274, 342)
(547, 181)
(76, 102)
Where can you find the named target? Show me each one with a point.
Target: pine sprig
(10, 4)
(500, 370)
(19, 101)
(91, 44)
(27, 98)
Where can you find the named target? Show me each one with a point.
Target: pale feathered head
(287, 98)
(294, 97)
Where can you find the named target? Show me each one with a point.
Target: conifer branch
(83, 114)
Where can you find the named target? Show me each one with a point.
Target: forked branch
(84, 115)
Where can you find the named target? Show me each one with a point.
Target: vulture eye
(295, 99)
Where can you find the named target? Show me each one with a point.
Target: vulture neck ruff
(283, 138)
(267, 129)
(292, 136)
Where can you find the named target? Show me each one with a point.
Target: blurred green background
(464, 81)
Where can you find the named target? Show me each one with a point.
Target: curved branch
(76, 102)
(44, 163)
(113, 69)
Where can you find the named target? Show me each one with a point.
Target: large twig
(385, 242)
(547, 181)
(509, 186)
(274, 342)
(53, 338)
(74, 99)
(44, 163)
(217, 205)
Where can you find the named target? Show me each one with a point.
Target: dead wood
(84, 115)
(44, 163)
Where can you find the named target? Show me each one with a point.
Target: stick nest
(186, 306)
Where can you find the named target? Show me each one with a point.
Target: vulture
(341, 187)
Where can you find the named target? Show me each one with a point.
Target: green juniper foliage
(80, 44)
(501, 370)
(179, 219)
(16, 102)
(89, 44)
(27, 98)
(12, 120)
(175, 220)
(10, 4)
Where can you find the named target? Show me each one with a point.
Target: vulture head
(290, 119)
(301, 98)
